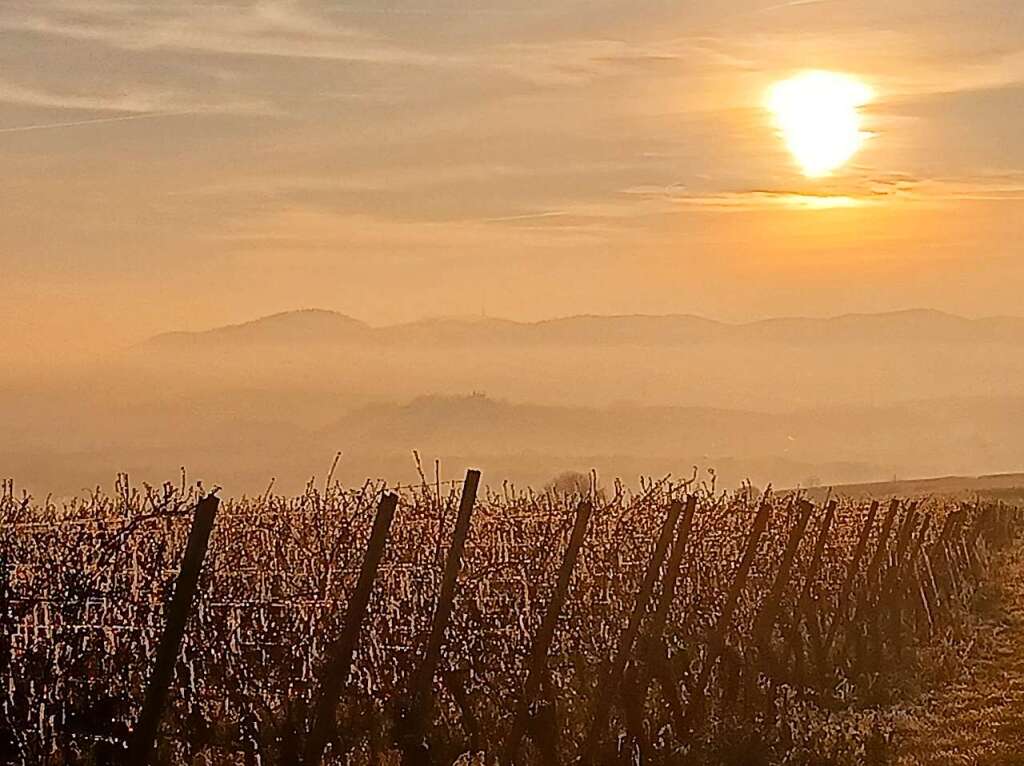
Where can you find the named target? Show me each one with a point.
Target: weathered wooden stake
(695, 710)
(421, 695)
(675, 560)
(655, 655)
(819, 551)
(143, 739)
(542, 642)
(870, 659)
(804, 610)
(339, 656)
(765, 621)
(882, 545)
(851, 576)
(613, 678)
(866, 594)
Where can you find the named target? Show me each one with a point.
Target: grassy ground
(1006, 486)
(977, 717)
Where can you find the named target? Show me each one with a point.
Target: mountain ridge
(325, 326)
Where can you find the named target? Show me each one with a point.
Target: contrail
(791, 4)
(96, 121)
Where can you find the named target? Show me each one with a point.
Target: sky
(182, 165)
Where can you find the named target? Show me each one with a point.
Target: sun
(818, 115)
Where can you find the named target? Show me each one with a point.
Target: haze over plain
(189, 166)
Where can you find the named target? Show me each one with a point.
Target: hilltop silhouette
(322, 326)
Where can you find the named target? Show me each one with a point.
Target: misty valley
(792, 402)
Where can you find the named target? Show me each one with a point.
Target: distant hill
(302, 365)
(321, 327)
(240, 439)
(791, 401)
(306, 325)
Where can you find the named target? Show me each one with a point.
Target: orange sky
(188, 164)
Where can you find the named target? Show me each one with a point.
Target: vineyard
(449, 621)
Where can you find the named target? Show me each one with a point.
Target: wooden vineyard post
(143, 739)
(908, 582)
(902, 545)
(867, 613)
(922, 532)
(940, 554)
(412, 729)
(851, 576)
(942, 572)
(882, 545)
(765, 621)
(803, 610)
(695, 712)
(982, 524)
(932, 599)
(819, 550)
(654, 658)
(339, 656)
(612, 681)
(890, 594)
(542, 642)
(874, 565)
(959, 558)
(675, 560)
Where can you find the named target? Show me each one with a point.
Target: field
(672, 624)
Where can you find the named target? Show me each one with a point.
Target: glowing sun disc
(817, 114)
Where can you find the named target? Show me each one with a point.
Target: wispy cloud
(274, 28)
(791, 4)
(96, 121)
(133, 100)
(754, 199)
(407, 177)
(901, 62)
(892, 189)
(449, 12)
(521, 217)
(1007, 188)
(318, 231)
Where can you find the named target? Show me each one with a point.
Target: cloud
(405, 176)
(1006, 188)
(139, 101)
(791, 4)
(528, 217)
(278, 28)
(889, 189)
(297, 229)
(742, 201)
(99, 120)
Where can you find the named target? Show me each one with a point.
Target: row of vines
(670, 624)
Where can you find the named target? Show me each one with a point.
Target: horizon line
(484, 319)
